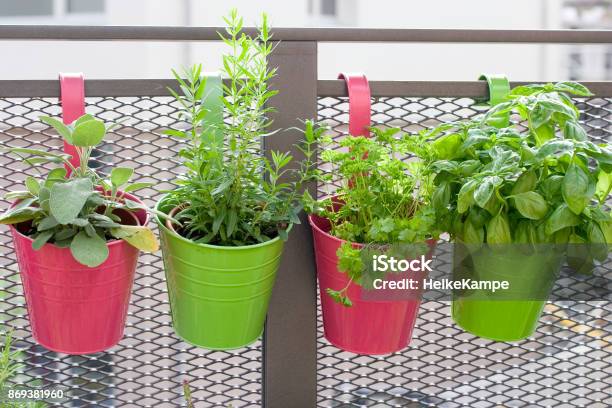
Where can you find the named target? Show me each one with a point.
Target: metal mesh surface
(147, 368)
(566, 363)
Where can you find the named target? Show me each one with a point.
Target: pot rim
(162, 226)
(108, 243)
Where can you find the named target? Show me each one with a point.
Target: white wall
(379, 61)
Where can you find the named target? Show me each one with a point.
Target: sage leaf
(531, 205)
(47, 223)
(138, 236)
(89, 251)
(32, 185)
(42, 239)
(16, 216)
(55, 176)
(59, 126)
(137, 186)
(120, 176)
(88, 134)
(67, 199)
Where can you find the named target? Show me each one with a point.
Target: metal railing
(292, 347)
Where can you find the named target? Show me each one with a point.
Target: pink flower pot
(72, 308)
(367, 327)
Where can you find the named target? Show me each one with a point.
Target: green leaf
(531, 205)
(466, 196)
(555, 148)
(137, 186)
(120, 175)
(16, 216)
(573, 130)
(17, 195)
(85, 118)
(349, 260)
(472, 234)
(89, 251)
(42, 239)
(232, 221)
(597, 241)
(604, 185)
(573, 88)
(526, 182)
(441, 196)
(339, 297)
(138, 236)
(544, 133)
(447, 147)
(561, 218)
(578, 255)
(47, 223)
(559, 107)
(32, 185)
(59, 126)
(89, 133)
(606, 229)
(551, 187)
(575, 188)
(67, 199)
(485, 190)
(80, 222)
(55, 176)
(498, 230)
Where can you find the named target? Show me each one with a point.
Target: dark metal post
(290, 340)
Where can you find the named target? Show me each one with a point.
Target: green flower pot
(509, 315)
(218, 295)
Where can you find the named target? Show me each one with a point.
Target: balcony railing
(565, 364)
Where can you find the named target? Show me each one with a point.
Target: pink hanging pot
(72, 308)
(369, 326)
(366, 327)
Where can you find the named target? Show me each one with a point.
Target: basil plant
(74, 207)
(540, 181)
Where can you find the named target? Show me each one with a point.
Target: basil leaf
(531, 205)
(561, 218)
(498, 230)
(575, 188)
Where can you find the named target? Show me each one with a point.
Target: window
(19, 8)
(85, 6)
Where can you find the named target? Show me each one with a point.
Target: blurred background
(43, 60)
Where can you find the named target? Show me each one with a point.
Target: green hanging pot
(219, 295)
(509, 315)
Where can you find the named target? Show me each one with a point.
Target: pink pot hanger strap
(72, 98)
(360, 106)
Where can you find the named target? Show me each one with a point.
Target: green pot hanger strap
(213, 103)
(499, 88)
